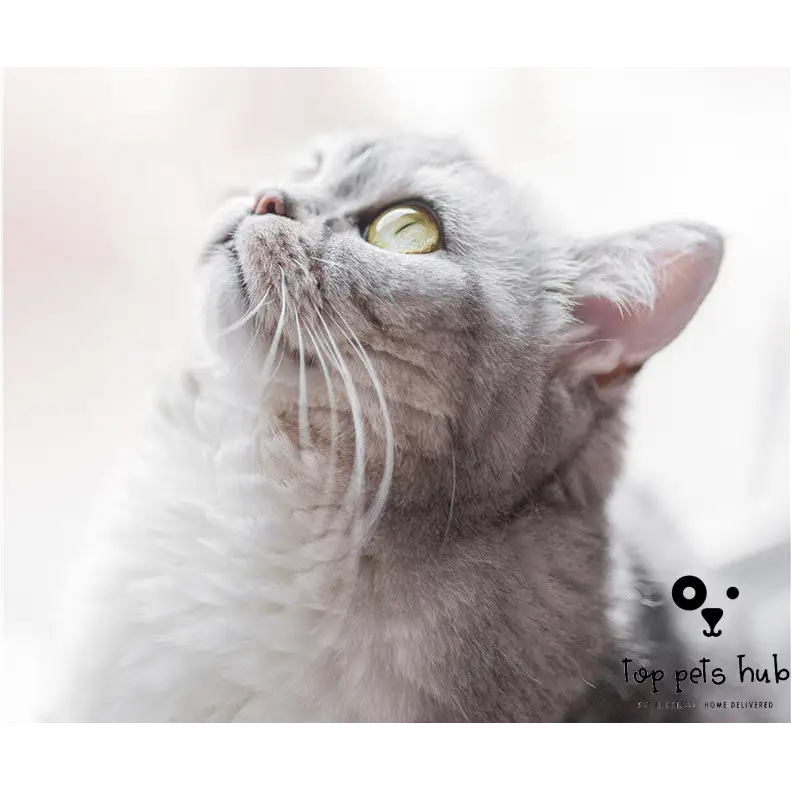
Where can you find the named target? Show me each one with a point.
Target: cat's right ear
(634, 293)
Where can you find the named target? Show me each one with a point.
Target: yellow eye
(405, 229)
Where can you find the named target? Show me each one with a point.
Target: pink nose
(269, 204)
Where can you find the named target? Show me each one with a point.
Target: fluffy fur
(379, 491)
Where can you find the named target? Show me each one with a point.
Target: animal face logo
(689, 593)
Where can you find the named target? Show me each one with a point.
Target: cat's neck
(453, 493)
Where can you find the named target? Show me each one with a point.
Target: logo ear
(636, 293)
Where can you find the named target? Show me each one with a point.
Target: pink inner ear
(681, 281)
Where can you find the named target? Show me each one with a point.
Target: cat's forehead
(360, 155)
(347, 149)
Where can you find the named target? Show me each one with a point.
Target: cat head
(407, 277)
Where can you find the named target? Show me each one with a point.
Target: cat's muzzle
(278, 255)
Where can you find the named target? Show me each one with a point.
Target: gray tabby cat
(380, 493)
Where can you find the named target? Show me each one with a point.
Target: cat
(378, 492)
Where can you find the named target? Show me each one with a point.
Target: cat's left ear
(636, 292)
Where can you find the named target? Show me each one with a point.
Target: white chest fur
(216, 592)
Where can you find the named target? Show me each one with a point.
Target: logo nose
(712, 616)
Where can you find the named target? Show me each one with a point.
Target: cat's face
(458, 319)
(434, 324)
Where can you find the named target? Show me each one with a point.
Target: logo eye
(682, 587)
(405, 229)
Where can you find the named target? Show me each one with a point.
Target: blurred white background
(108, 176)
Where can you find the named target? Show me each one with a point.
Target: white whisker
(239, 323)
(333, 411)
(266, 372)
(387, 475)
(354, 494)
(304, 428)
(253, 339)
